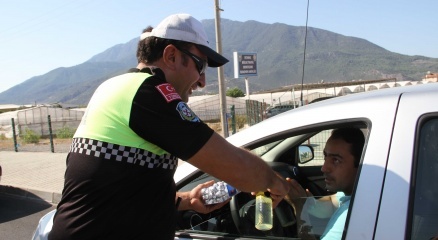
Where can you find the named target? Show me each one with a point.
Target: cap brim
(214, 59)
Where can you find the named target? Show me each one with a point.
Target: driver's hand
(296, 195)
(197, 203)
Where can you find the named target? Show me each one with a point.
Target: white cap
(184, 27)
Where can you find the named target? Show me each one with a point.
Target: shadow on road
(16, 206)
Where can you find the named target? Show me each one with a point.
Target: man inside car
(342, 155)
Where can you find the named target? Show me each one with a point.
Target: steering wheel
(242, 208)
(243, 211)
(239, 211)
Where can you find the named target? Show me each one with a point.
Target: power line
(305, 47)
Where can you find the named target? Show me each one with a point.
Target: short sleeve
(159, 116)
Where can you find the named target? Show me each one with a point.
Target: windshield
(260, 151)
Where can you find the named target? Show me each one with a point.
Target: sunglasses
(200, 63)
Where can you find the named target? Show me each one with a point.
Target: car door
(400, 213)
(220, 224)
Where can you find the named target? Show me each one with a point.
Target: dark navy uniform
(119, 177)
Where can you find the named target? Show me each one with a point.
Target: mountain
(329, 56)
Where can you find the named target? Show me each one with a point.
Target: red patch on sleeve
(168, 92)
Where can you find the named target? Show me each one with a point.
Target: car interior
(296, 154)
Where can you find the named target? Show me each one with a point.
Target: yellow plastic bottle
(263, 212)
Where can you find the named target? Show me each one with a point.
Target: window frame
(305, 130)
(422, 121)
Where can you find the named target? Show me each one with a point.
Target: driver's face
(338, 168)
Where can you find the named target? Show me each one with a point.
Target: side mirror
(305, 153)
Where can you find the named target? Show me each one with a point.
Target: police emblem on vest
(186, 113)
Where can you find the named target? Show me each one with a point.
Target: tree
(235, 92)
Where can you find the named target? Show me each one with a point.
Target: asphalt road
(19, 216)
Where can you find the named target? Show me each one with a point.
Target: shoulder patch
(186, 113)
(168, 92)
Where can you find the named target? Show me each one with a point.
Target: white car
(396, 188)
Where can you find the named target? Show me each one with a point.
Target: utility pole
(220, 71)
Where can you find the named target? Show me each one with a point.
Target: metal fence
(209, 109)
(255, 111)
(42, 122)
(318, 143)
(37, 119)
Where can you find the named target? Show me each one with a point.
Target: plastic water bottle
(218, 192)
(263, 212)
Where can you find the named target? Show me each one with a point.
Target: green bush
(65, 132)
(30, 136)
(235, 92)
(240, 121)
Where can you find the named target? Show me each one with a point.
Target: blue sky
(39, 36)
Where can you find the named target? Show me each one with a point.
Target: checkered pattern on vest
(122, 153)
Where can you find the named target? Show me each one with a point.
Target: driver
(342, 154)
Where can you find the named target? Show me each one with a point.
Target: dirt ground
(59, 145)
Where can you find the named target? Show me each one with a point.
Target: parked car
(277, 109)
(320, 99)
(396, 188)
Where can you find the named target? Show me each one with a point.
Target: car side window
(425, 207)
(324, 215)
(236, 219)
(317, 142)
